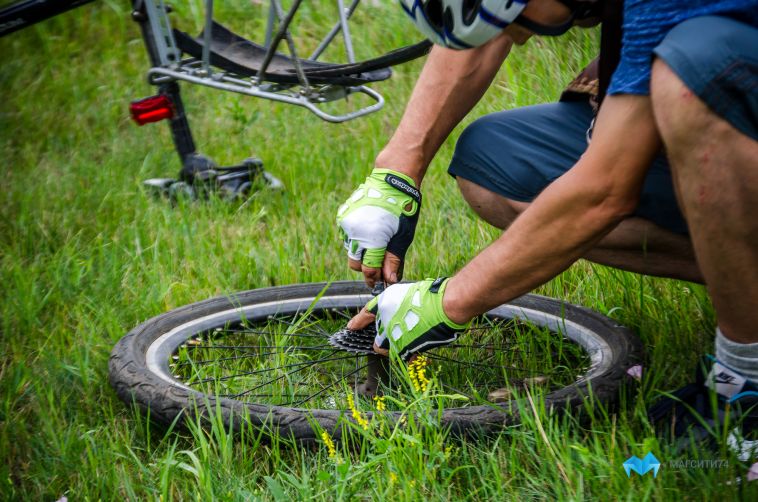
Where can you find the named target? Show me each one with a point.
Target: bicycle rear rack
(223, 60)
(310, 99)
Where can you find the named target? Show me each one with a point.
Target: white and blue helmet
(462, 24)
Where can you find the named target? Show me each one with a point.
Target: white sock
(742, 357)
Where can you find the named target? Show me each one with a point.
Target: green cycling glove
(410, 318)
(380, 216)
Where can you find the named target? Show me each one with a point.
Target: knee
(710, 160)
(688, 127)
(493, 208)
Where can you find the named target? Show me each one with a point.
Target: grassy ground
(85, 256)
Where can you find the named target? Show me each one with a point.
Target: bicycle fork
(173, 107)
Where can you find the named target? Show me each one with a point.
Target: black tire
(613, 349)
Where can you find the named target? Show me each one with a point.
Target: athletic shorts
(519, 152)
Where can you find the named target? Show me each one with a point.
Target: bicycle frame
(28, 12)
(168, 68)
(168, 65)
(154, 39)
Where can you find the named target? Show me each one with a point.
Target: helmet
(462, 24)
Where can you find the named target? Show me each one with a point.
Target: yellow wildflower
(380, 404)
(417, 373)
(329, 444)
(359, 419)
(393, 478)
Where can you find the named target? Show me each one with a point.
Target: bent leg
(504, 160)
(636, 244)
(716, 171)
(704, 90)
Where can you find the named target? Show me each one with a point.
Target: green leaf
(275, 488)
(343, 469)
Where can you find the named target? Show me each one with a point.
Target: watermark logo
(698, 464)
(642, 465)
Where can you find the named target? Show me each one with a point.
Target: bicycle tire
(138, 378)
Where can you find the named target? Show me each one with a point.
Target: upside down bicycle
(225, 61)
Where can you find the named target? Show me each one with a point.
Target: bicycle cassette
(360, 342)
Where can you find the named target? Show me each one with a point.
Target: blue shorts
(517, 153)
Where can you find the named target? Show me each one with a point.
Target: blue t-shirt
(647, 22)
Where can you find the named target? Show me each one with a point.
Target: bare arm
(568, 218)
(449, 86)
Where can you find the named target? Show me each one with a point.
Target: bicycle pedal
(200, 178)
(250, 164)
(181, 191)
(197, 167)
(272, 182)
(233, 175)
(158, 187)
(239, 184)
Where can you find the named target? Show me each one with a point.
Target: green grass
(85, 255)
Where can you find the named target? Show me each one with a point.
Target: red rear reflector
(152, 109)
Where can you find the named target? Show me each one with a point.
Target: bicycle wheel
(263, 356)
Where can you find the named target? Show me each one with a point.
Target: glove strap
(400, 182)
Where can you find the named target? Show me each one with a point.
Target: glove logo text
(403, 186)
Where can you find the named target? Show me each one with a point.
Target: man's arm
(449, 86)
(568, 218)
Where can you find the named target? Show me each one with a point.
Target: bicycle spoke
(465, 363)
(253, 354)
(302, 366)
(329, 386)
(296, 324)
(313, 334)
(231, 396)
(450, 387)
(268, 370)
(293, 364)
(475, 346)
(241, 347)
(342, 313)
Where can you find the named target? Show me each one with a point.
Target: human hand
(409, 318)
(378, 223)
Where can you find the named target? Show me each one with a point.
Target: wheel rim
(276, 353)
